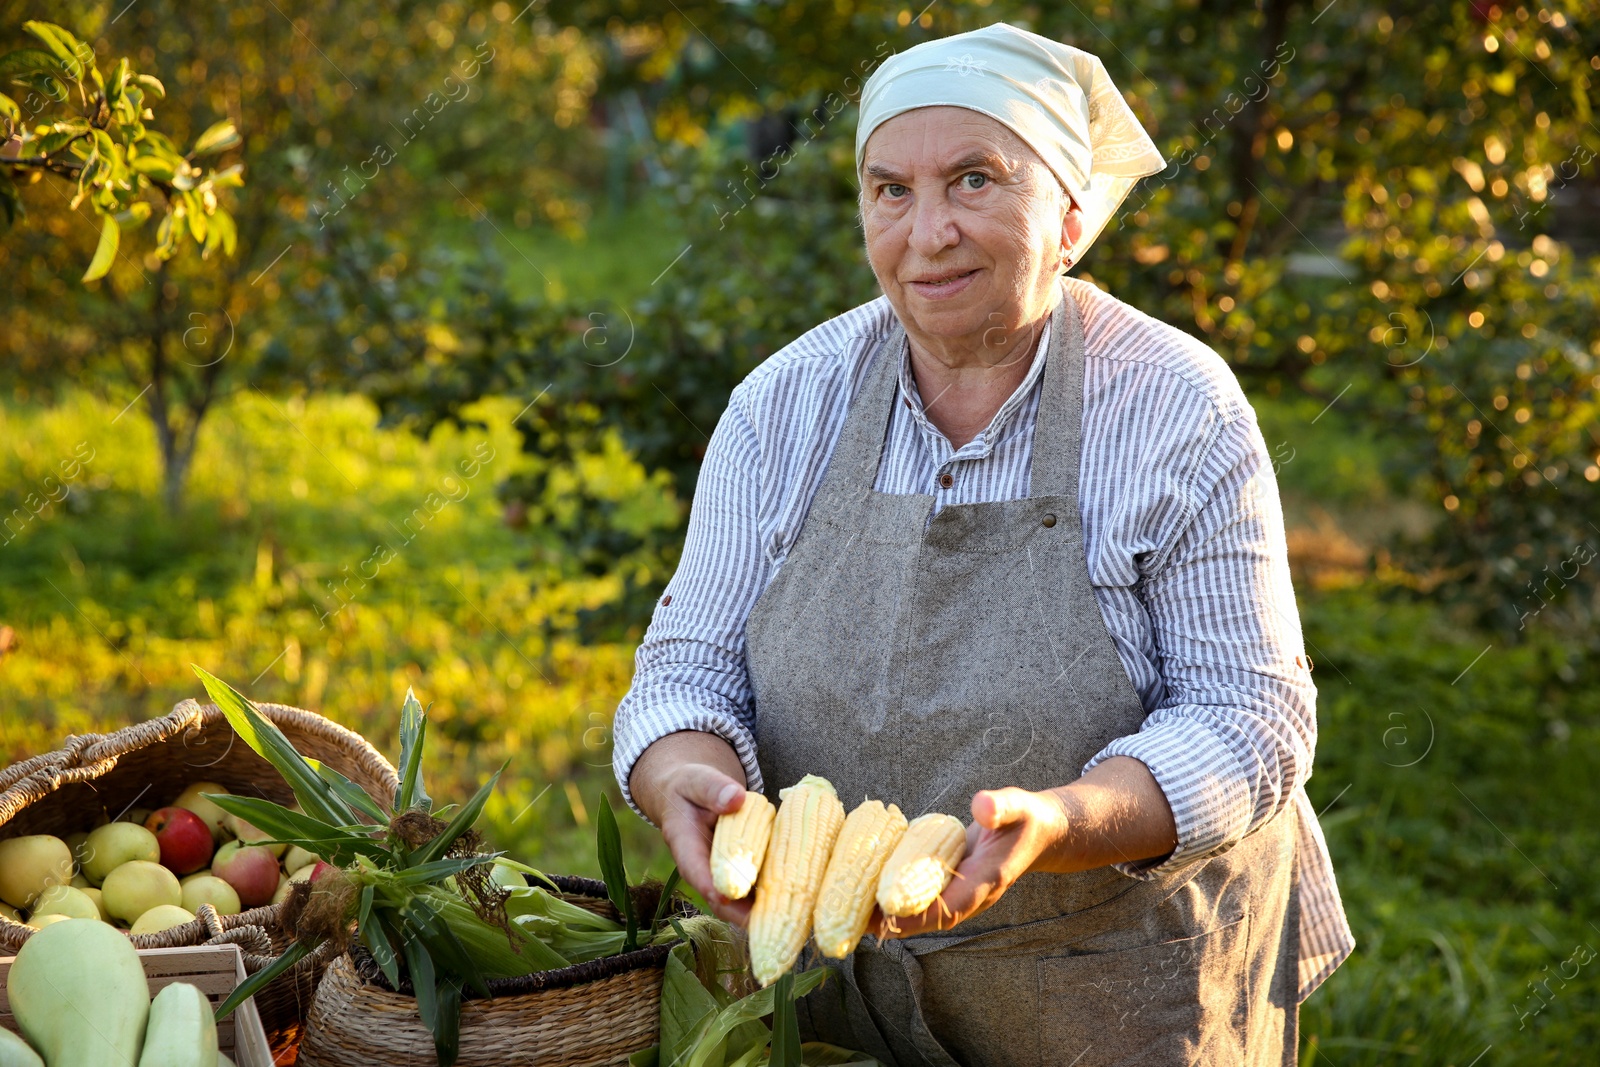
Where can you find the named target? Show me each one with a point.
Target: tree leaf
(219, 138)
(72, 52)
(28, 61)
(105, 252)
(9, 109)
(151, 84)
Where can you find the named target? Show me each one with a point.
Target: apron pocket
(1166, 1005)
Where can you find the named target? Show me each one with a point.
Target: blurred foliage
(358, 119)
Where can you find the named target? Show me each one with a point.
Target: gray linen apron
(918, 662)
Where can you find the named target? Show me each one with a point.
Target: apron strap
(1058, 432)
(853, 467)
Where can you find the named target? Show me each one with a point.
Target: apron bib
(918, 662)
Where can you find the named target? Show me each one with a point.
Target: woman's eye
(974, 180)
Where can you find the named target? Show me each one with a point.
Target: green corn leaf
(447, 1029)
(316, 796)
(608, 843)
(460, 824)
(646, 1057)
(413, 731)
(438, 870)
(746, 1010)
(785, 1025)
(424, 984)
(351, 793)
(423, 923)
(375, 935)
(338, 845)
(297, 951)
(665, 903)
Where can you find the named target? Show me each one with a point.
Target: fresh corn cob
(845, 903)
(922, 864)
(740, 844)
(808, 822)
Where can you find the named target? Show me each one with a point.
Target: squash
(181, 1031)
(79, 995)
(14, 1052)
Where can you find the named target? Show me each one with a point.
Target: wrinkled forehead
(932, 136)
(947, 140)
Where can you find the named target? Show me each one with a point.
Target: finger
(996, 808)
(709, 788)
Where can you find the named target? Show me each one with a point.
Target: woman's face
(965, 226)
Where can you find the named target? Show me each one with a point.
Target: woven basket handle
(84, 757)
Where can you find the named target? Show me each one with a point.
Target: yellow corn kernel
(845, 902)
(803, 834)
(740, 844)
(922, 864)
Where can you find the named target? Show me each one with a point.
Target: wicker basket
(147, 765)
(593, 1014)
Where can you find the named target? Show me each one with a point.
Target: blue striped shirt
(1183, 531)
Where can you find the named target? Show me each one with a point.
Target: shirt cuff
(1204, 784)
(669, 718)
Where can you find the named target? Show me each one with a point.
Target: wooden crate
(217, 970)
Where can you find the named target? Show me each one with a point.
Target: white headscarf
(1057, 98)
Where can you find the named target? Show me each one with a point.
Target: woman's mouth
(943, 287)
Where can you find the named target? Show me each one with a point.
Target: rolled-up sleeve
(1232, 736)
(689, 671)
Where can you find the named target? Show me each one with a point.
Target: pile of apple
(149, 870)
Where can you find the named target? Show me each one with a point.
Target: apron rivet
(1049, 520)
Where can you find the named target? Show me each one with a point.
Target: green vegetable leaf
(413, 731)
(457, 826)
(425, 924)
(665, 903)
(785, 1025)
(316, 796)
(438, 870)
(746, 1010)
(297, 951)
(424, 986)
(105, 252)
(375, 936)
(608, 844)
(351, 793)
(338, 845)
(686, 1006)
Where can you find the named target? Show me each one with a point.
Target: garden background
(402, 375)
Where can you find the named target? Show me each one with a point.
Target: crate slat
(216, 970)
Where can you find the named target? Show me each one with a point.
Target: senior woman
(998, 544)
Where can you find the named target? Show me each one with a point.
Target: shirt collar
(991, 433)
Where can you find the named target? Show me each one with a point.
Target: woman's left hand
(1011, 829)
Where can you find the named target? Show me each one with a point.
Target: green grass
(1466, 864)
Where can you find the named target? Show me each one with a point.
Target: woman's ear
(1071, 231)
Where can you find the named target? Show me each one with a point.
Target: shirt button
(945, 481)
(1049, 520)
(907, 399)
(666, 600)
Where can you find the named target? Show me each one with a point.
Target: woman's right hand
(683, 782)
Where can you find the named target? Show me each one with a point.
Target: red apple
(252, 870)
(184, 837)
